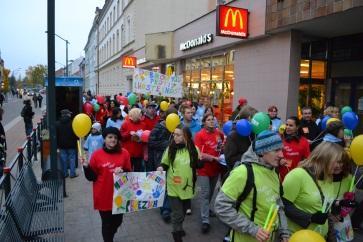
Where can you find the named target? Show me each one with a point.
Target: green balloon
(96, 107)
(132, 98)
(346, 109)
(260, 122)
(348, 133)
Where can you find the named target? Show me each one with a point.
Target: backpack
(250, 184)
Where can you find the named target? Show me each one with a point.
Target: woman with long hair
(180, 160)
(296, 147)
(112, 158)
(315, 186)
(210, 142)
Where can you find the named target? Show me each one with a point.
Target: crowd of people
(299, 166)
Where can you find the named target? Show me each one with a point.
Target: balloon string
(351, 187)
(359, 180)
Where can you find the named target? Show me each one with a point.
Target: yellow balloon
(356, 150)
(164, 106)
(81, 125)
(306, 236)
(332, 120)
(146, 102)
(172, 121)
(282, 128)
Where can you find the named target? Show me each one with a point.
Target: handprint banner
(135, 191)
(155, 83)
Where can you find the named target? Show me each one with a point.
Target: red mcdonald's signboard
(232, 22)
(128, 62)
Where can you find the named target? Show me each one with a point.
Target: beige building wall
(124, 33)
(267, 73)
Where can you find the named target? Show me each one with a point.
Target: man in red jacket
(150, 117)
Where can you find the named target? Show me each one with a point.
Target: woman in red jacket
(209, 141)
(104, 162)
(296, 147)
(131, 130)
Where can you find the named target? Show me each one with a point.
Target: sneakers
(166, 217)
(188, 212)
(205, 228)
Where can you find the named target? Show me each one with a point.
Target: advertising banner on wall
(135, 191)
(155, 83)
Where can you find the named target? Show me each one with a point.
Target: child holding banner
(112, 158)
(180, 160)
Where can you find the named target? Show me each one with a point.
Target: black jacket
(312, 129)
(158, 142)
(27, 113)
(236, 145)
(66, 139)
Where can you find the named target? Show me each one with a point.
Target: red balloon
(145, 136)
(88, 108)
(122, 100)
(100, 99)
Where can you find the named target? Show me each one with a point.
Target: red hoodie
(103, 164)
(294, 152)
(208, 143)
(133, 147)
(150, 123)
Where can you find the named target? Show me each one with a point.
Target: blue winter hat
(267, 141)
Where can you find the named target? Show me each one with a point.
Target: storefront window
(318, 69)
(211, 79)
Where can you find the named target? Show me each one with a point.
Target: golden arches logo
(234, 15)
(129, 61)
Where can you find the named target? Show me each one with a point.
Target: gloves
(319, 218)
(348, 203)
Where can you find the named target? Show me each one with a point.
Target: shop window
(318, 69)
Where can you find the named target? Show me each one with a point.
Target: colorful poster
(155, 83)
(135, 191)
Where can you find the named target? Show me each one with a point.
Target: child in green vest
(248, 220)
(180, 161)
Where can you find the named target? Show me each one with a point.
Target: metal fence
(27, 153)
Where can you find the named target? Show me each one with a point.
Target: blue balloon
(243, 127)
(324, 121)
(350, 120)
(227, 127)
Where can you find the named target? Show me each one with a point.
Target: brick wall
(284, 12)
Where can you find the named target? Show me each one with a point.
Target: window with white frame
(129, 37)
(114, 14)
(118, 8)
(117, 40)
(113, 44)
(122, 35)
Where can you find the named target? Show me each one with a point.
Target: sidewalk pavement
(83, 223)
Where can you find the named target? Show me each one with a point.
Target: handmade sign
(155, 83)
(135, 191)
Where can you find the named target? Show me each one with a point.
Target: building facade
(91, 55)
(120, 28)
(297, 53)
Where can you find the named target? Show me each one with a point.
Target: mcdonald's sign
(128, 62)
(232, 22)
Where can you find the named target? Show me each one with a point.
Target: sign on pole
(155, 83)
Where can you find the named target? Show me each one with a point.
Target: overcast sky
(23, 41)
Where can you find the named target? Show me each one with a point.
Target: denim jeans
(68, 156)
(207, 185)
(28, 128)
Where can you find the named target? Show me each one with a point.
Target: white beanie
(97, 126)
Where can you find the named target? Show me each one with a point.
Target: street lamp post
(67, 43)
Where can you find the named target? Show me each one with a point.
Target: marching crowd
(299, 169)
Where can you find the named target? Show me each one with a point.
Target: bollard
(39, 131)
(34, 140)
(29, 149)
(20, 158)
(7, 185)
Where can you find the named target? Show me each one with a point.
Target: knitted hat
(111, 130)
(96, 126)
(267, 141)
(242, 101)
